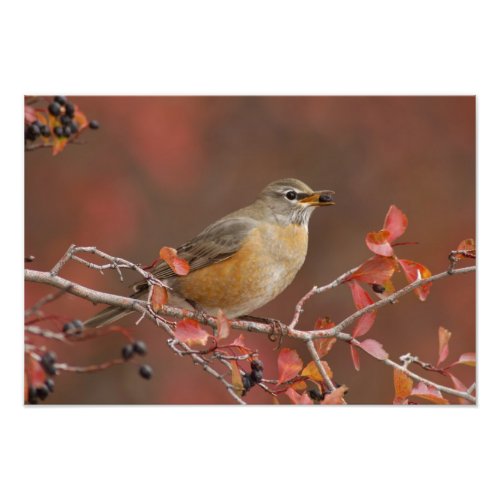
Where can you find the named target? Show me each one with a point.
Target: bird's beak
(319, 198)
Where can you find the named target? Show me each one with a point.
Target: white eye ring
(291, 195)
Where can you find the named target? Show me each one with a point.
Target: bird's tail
(110, 314)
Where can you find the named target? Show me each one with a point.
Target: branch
(143, 307)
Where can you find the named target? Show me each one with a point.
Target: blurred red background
(162, 168)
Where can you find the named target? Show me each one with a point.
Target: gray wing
(216, 243)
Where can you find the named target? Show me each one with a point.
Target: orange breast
(264, 266)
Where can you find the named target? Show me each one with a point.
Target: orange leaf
(395, 223)
(236, 380)
(300, 385)
(444, 337)
(403, 386)
(361, 300)
(378, 270)
(429, 393)
(223, 327)
(177, 264)
(414, 270)
(191, 333)
(289, 364)
(81, 120)
(374, 348)
(378, 242)
(335, 397)
(298, 399)
(468, 246)
(311, 371)
(324, 323)
(324, 345)
(159, 297)
(355, 358)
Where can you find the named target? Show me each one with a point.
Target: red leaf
(191, 333)
(378, 242)
(223, 327)
(29, 113)
(468, 358)
(373, 348)
(355, 358)
(240, 342)
(361, 300)
(311, 371)
(298, 399)
(429, 393)
(444, 337)
(35, 372)
(459, 386)
(378, 270)
(414, 270)
(289, 364)
(159, 297)
(336, 397)
(395, 223)
(403, 386)
(177, 264)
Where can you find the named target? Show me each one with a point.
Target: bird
(243, 260)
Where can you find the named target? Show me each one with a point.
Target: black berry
(127, 351)
(32, 397)
(65, 120)
(73, 327)
(49, 383)
(257, 364)
(378, 288)
(60, 99)
(47, 362)
(256, 376)
(45, 131)
(54, 109)
(42, 392)
(140, 347)
(247, 382)
(74, 127)
(316, 395)
(70, 109)
(145, 371)
(94, 124)
(58, 131)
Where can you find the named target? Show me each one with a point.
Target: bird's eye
(291, 195)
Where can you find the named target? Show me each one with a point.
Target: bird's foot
(279, 329)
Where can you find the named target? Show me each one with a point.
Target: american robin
(243, 260)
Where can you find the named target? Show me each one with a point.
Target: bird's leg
(279, 329)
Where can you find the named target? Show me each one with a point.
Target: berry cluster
(138, 347)
(64, 122)
(254, 377)
(41, 392)
(74, 327)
